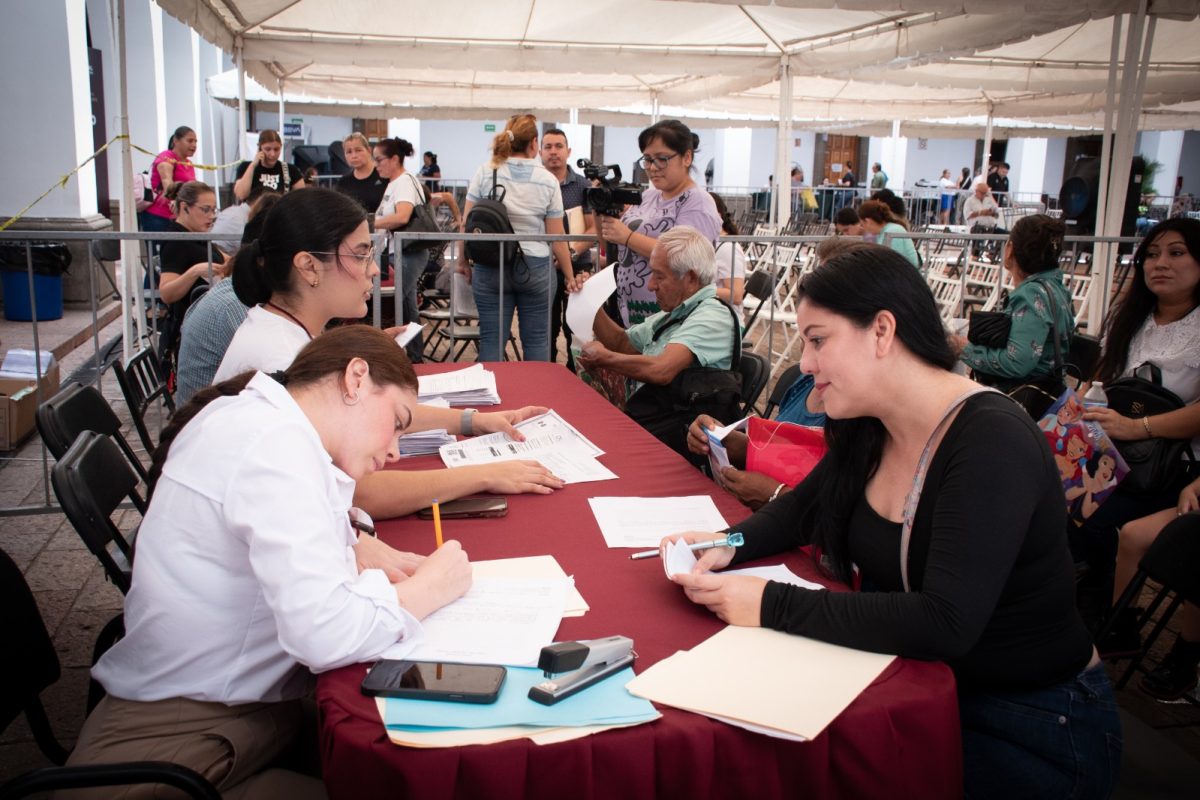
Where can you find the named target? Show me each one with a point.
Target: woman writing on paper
(979, 578)
(314, 263)
(245, 580)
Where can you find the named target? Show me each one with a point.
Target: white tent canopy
(861, 61)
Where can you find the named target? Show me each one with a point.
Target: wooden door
(839, 151)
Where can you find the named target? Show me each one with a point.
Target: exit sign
(489, 128)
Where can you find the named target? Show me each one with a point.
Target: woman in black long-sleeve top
(984, 581)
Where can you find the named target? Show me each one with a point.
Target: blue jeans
(1061, 742)
(411, 267)
(528, 287)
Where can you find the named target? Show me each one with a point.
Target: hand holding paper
(583, 304)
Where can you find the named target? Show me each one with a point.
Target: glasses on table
(656, 161)
(365, 260)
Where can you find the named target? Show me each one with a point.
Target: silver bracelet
(467, 422)
(775, 494)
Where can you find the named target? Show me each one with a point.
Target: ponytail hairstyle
(519, 131)
(315, 220)
(675, 135)
(400, 148)
(857, 285)
(1037, 242)
(324, 357)
(180, 132)
(188, 193)
(728, 226)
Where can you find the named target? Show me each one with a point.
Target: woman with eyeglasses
(402, 195)
(313, 263)
(185, 264)
(668, 149)
(533, 199)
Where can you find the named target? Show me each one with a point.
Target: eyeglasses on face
(210, 211)
(656, 161)
(365, 260)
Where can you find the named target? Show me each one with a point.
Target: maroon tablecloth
(899, 739)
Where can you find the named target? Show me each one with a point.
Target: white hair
(687, 249)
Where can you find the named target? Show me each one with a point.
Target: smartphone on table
(466, 507)
(435, 680)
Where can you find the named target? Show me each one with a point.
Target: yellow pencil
(437, 523)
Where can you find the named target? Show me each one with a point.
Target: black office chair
(36, 668)
(91, 480)
(1173, 561)
(78, 408)
(142, 383)
(755, 372)
(784, 383)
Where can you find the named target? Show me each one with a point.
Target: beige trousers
(232, 746)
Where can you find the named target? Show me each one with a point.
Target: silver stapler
(570, 667)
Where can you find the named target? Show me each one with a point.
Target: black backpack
(490, 215)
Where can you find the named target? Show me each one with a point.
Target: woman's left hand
(613, 230)
(503, 421)
(372, 553)
(1116, 425)
(752, 488)
(735, 599)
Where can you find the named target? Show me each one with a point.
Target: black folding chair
(91, 480)
(37, 668)
(755, 372)
(142, 383)
(1172, 561)
(78, 408)
(789, 376)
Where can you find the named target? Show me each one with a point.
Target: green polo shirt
(706, 330)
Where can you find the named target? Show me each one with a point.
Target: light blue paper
(606, 702)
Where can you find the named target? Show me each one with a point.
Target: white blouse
(1175, 348)
(264, 341)
(245, 572)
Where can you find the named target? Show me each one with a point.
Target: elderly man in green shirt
(694, 328)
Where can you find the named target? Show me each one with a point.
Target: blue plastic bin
(48, 291)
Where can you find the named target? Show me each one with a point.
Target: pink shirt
(184, 172)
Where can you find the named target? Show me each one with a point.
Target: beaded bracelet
(1146, 425)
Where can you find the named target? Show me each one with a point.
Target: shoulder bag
(1154, 464)
(421, 220)
(667, 411)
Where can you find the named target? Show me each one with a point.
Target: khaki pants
(229, 745)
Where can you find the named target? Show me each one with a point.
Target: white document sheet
(471, 386)
(718, 456)
(409, 333)
(549, 439)
(793, 686)
(644, 521)
(583, 305)
(533, 567)
(499, 621)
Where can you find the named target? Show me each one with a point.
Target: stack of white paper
(644, 521)
(473, 386)
(549, 440)
(22, 364)
(424, 442)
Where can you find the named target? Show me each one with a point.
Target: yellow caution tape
(61, 183)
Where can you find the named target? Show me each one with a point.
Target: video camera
(611, 196)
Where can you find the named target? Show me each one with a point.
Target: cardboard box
(18, 405)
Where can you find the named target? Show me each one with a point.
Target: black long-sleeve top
(992, 584)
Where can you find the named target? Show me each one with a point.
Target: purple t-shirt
(654, 217)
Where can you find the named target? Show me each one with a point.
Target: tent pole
(987, 141)
(781, 203)
(239, 58)
(283, 147)
(653, 107)
(1102, 253)
(131, 273)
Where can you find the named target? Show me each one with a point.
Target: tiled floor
(1163, 755)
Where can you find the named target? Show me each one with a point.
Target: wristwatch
(467, 422)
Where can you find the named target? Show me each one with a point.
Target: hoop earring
(351, 400)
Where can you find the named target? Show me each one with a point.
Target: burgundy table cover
(899, 739)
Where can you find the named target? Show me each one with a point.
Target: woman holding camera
(1039, 306)
(668, 149)
(533, 200)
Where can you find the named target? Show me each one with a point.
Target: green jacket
(1030, 350)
